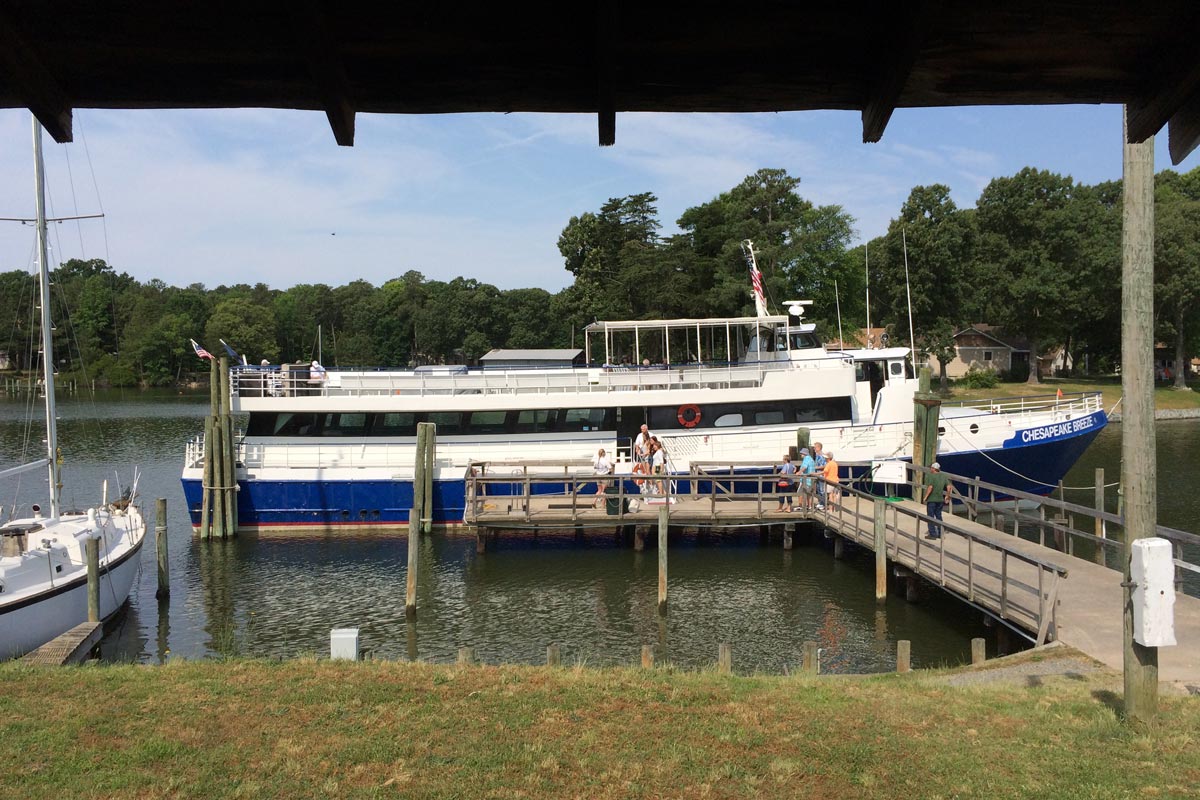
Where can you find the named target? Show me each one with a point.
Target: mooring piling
(880, 531)
(553, 656)
(978, 650)
(410, 591)
(647, 656)
(809, 659)
(92, 548)
(903, 655)
(430, 455)
(724, 658)
(160, 547)
(663, 528)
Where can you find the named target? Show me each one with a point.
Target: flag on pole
(232, 353)
(1060, 394)
(200, 351)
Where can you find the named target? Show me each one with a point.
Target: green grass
(1164, 397)
(310, 728)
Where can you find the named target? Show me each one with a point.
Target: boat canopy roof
(877, 354)
(609, 326)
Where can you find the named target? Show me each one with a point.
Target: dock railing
(1020, 588)
(1051, 522)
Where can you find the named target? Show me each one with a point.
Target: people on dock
(833, 491)
(784, 486)
(641, 452)
(807, 490)
(937, 494)
(819, 460)
(658, 463)
(602, 465)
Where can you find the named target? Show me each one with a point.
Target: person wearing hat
(807, 488)
(937, 494)
(316, 377)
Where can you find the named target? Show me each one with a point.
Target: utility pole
(1138, 466)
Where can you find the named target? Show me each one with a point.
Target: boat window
(287, 424)
(776, 412)
(487, 422)
(581, 419)
(448, 422)
(344, 424)
(772, 417)
(395, 423)
(805, 341)
(534, 420)
(897, 369)
(727, 421)
(821, 409)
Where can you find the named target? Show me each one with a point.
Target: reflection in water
(279, 596)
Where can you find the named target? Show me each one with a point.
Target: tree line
(1039, 255)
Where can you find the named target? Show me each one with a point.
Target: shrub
(979, 379)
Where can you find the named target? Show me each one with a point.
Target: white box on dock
(343, 644)
(1152, 570)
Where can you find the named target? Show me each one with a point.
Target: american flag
(200, 351)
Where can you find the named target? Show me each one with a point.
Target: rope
(1012, 471)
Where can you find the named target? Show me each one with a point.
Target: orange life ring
(688, 415)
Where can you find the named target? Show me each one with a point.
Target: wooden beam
(1184, 130)
(606, 74)
(327, 70)
(1149, 116)
(898, 41)
(22, 69)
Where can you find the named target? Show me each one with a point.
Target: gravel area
(1031, 668)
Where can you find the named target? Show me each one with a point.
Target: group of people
(650, 459)
(801, 481)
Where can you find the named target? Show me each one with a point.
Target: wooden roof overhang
(344, 58)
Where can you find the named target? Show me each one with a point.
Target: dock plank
(71, 647)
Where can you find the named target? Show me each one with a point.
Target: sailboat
(43, 566)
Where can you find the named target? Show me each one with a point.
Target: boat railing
(1066, 403)
(252, 382)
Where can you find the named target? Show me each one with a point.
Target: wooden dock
(72, 647)
(1043, 593)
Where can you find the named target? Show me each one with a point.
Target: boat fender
(688, 415)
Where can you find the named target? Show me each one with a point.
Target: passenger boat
(43, 566)
(338, 453)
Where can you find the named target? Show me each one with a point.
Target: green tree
(247, 327)
(1177, 262)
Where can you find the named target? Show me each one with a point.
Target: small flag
(1060, 394)
(232, 353)
(200, 351)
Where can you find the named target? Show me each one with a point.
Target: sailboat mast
(47, 331)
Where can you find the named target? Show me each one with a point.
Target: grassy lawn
(315, 728)
(1164, 397)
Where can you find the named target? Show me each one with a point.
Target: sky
(251, 195)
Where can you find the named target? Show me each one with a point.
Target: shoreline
(1164, 413)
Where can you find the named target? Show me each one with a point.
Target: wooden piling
(228, 457)
(466, 656)
(639, 538)
(480, 541)
(810, 659)
(911, 590)
(553, 656)
(926, 411)
(1138, 465)
(92, 548)
(206, 481)
(903, 655)
(663, 529)
(418, 513)
(427, 507)
(978, 650)
(648, 656)
(410, 592)
(880, 549)
(839, 547)
(160, 547)
(789, 528)
(724, 658)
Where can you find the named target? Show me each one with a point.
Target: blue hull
(1032, 461)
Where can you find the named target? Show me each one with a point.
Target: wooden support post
(480, 541)
(978, 650)
(427, 508)
(466, 656)
(410, 591)
(647, 656)
(1003, 640)
(419, 512)
(789, 528)
(553, 656)
(903, 655)
(1138, 464)
(839, 547)
(1100, 528)
(206, 481)
(664, 516)
(880, 550)
(724, 658)
(639, 538)
(911, 591)
(160, 547)
(229, 457)
(410, 639)
(926, 410)
(92, 548)
(810, 659)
